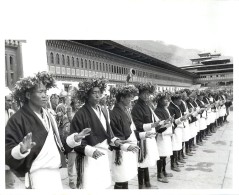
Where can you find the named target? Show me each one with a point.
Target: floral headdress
(145, 86)
(27, 84)
(87, 85)
(162, 95)
(123, 91)
(176, 96)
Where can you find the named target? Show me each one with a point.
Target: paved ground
(209, 168)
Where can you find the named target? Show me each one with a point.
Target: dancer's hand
(26, 143)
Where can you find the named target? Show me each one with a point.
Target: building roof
(121, 50)
(218, 60)
(204, 53)
(202, 58)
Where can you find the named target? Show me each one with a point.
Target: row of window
(86, 64)
(213, 76)
(97, 66)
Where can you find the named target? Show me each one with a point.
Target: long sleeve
(14, 135)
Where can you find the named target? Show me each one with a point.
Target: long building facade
(74, 60)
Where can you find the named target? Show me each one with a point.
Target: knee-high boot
(140, 177)
(146, 177)
(174, 166)
(125, 185)
(166, 174)
(160, 174)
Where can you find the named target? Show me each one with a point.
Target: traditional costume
(164, 140)
(143, 117)
(91, 173)
(41, 163)
(124, 162)
(177, 136)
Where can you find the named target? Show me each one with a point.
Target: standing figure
(32, 141)
(164, 136)
(175, 110)
(92, 161)
(124, 159)
(145, 121)
(9, 176)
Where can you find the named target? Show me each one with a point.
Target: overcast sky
(206, 25)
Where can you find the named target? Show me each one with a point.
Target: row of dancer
(133, 138)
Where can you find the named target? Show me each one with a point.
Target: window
(114, 69)
(97, 67)
(93, 65)
(89, 64)
(63, 60)
(51, 58)
(85, 64)
(106, 67)
(77, 62)
(82, 65)
(57, 59)
(6, 62)
(100, 67)
(103, 67)
(68, 61)
(11, 63)
(73, 61)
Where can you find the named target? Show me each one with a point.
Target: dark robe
(162, 114)
(201, 106)
(120, 122)
(19, 125)
(85, 117)
(174, 110)
(191, 106)
(141, 115)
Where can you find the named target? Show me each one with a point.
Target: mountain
(169, 53)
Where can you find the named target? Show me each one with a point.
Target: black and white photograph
(115, 107)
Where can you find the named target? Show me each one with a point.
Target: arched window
(73, 61)
(5, 62)
(77, 62)
(103, 67)
(57, 59)
(93, 65)
(82, 65)
(51, 58)
(85, 64)
(106, 67)
(89, 64)
(100, 67)
(68, 61)
(97, 66)
(11, 62)
(63, 59)
(114, 69)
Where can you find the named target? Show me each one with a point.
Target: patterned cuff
(89, 150)
(16, 153)
(142, 135)
(147, 127)
(124, 147)
(177, 121)
(70, 140)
